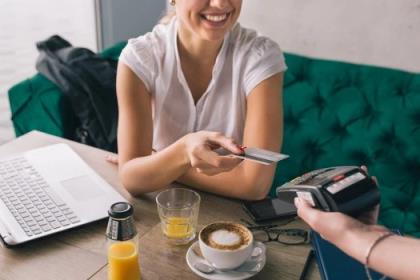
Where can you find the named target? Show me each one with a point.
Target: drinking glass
(178, 212)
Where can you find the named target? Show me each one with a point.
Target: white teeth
(216, 18)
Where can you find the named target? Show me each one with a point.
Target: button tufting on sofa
(346, 114)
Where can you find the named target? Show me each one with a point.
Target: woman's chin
(212, 36)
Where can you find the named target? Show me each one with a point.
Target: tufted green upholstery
(345, 114)
(335, 114)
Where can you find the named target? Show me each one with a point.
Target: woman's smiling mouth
(216, 20)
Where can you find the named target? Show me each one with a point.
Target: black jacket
(88, 81)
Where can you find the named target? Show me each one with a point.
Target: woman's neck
(197, 50)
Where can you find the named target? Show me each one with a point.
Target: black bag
(88, 81)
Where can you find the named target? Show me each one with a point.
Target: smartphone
(269, 209)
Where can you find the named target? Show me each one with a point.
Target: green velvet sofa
(335, 114)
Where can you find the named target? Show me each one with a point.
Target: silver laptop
(48, 190)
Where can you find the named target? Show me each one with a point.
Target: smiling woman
(198, 82)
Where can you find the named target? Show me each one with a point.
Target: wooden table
(81, 253)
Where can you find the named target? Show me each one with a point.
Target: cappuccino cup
(226, 245)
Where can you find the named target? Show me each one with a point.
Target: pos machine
(346, 189)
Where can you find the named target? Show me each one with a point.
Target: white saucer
(192, 258)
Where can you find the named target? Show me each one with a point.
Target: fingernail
(297, 201)
(242, 148)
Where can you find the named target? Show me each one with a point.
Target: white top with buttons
(245, 60)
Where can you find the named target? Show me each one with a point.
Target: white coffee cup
(226, 245)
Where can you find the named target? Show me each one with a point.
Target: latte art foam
(226, 236)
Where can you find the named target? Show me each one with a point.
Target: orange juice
(123, 261)
(178, 227)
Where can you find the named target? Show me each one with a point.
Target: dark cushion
(345, 114)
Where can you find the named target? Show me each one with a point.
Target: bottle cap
(120, 210)
(120, 224)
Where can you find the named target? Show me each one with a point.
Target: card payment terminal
(346, 189)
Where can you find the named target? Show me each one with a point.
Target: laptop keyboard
(29, 198)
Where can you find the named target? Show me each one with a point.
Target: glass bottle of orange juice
(122, 244)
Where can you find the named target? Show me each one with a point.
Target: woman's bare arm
(140, 170)
(395, 256)
(263, 129)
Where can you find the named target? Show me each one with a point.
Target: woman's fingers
(209, 160)
(200, 150)
(364, 168)
(370, 217)
(220, 140)
(223, 162)
(112, 159)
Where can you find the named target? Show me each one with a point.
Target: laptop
(49, 190)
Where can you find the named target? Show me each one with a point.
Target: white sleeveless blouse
(245, 60)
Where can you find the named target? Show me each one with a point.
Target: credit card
(255, 154)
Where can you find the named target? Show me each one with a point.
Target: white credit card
(257, 155)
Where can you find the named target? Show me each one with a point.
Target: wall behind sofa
(119, 20)
(24, 22)
(378, 32)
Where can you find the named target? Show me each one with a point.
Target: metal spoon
(205, 268)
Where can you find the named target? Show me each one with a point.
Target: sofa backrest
(345, 114)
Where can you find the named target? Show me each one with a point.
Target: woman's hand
(343, 230)
(200, 146)
(332, 225)
(199, 149)
(396, 257)
(349, 234)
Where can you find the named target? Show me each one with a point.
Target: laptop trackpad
(82, 188)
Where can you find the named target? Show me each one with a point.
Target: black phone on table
(269, 209)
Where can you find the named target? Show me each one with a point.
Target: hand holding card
(255, 154)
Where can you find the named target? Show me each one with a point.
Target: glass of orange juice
(178, 211)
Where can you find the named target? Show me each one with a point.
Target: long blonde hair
(167, 17)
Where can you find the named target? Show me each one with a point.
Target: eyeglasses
(290, 236)
(272, 233)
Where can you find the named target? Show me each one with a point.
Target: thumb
(301, 203)
(306, 212)
(227, 143)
